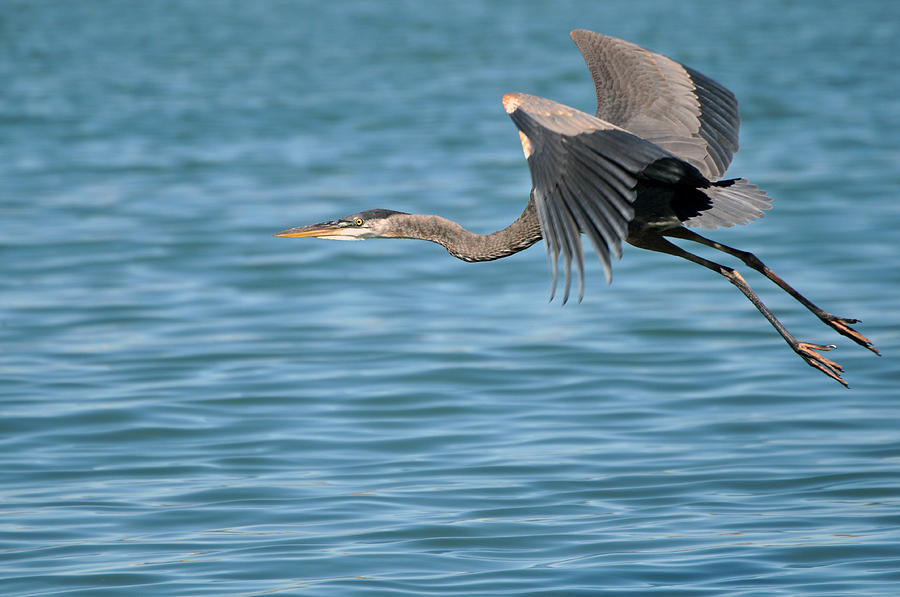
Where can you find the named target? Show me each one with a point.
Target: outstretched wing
(584, 172)
(662, 101)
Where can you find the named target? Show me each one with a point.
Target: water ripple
(192, 407)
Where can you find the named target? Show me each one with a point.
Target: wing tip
(578, 34)
(511, 102)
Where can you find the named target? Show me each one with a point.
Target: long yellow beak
(324, 229)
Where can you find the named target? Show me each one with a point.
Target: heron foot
(808, 352)
(842, 326)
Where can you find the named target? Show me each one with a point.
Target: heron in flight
(648, 166)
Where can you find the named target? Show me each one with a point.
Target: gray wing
(662, 101)
(584, 171)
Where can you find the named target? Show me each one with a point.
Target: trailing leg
(839, 324)
(806, 350)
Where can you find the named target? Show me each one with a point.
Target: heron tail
(729, 202)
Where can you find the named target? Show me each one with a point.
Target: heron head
(373, 223)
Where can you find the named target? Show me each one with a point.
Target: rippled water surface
(189, 406)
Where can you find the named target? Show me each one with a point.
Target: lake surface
(189, 406)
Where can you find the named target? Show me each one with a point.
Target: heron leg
(840, 324)
(806, 350)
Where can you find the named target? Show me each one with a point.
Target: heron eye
(358, 221)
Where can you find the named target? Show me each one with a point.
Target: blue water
(189, 406)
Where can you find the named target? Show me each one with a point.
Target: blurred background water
(189, 406)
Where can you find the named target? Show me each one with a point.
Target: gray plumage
(645, 167)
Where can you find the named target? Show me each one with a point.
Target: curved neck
(469, 246)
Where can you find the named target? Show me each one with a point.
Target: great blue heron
(648, 165)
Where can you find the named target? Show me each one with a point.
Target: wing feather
(597, 226)
(662, 101)
(613, 210)
(571, 220)
(584, 172)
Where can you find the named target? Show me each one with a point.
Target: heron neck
(469, 246)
